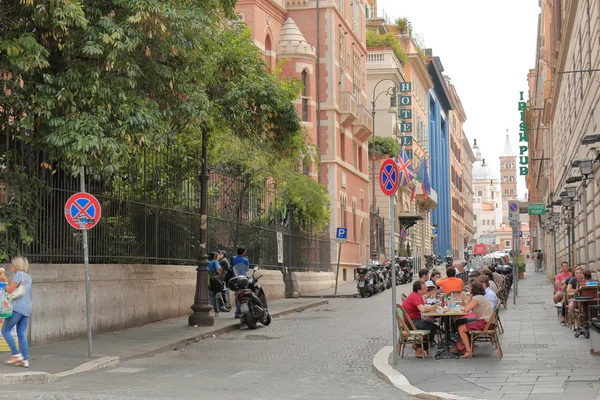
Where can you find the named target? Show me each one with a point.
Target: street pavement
(542, 359)
(324, 352)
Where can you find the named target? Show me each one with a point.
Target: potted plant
(521, 264)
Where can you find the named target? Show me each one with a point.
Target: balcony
(363, 126)
(347, 108)
(383, 58)
(431, 201)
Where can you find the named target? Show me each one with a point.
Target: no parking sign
(82, 211)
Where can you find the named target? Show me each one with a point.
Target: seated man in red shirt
(560, 283)
(414, 306)
(451, 283)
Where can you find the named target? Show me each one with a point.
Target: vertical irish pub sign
(523, 142)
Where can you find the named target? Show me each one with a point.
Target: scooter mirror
(255, 268)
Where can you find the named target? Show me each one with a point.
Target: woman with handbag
(19, 291)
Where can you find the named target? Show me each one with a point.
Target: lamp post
(201, 308)
(392, 92)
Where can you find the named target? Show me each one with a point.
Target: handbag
(19, 291)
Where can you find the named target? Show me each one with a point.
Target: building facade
(468, 160)
(508, 177)
(324, 46)
(562, 121)
(439, 139)
(486, 201)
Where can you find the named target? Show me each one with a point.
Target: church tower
(508, 177)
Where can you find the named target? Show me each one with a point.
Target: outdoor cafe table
(444, 352)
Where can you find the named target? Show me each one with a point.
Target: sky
(486, 48)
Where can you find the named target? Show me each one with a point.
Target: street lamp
(392, 92)
(201, 308)
(590, 139)
(585, 166)
(571, 191)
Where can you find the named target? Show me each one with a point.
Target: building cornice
(267, 6)
(421, 69)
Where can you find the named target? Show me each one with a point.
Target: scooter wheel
(250, 321)
(362, 292)
(267, 321)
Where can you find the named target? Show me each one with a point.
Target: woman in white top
(483, 311)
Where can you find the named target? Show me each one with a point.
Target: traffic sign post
(83, 211)
(341, 235)
(516, 252)
(513, 210)
(389, 180)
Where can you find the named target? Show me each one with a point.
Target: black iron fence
(150, 213)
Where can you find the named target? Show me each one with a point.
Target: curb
(382, 368)
(35, 377)
(329, 296)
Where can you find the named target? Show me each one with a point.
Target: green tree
(387, 40)
(385, 146)
(404, 26)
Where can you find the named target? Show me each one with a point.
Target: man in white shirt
(489, 293)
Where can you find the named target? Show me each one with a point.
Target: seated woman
(483, 312)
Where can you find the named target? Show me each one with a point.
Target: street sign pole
(337, 274)
(86, 263)
(393, 261)
(515, 263)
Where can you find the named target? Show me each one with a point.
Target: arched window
(305, 93)
(354, 225)
(343, 211)
(343, 146)
(268, 52)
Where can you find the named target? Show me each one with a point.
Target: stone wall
(307, 282)
(124, 296)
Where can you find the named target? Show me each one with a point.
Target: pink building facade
(325, 48)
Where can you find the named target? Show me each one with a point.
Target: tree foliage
(387, 40)
(385, 146)
(91, 82)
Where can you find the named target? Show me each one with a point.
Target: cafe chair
(488, 334)
(499, 325)
(408, 332)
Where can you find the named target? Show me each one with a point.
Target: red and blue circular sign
(403, 233)
(82, 211)
(513, 207)
(388, 177)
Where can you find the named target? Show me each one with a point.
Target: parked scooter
(387, 271)
(364, 281)
(252, 299)
(406, 270)
(449, 261)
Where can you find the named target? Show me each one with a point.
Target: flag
(423, 177)
(405, 168)
(413, 192)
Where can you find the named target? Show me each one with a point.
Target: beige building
(563, 129)
(468, 193)
(384, 75)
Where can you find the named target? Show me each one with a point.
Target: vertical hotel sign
(523, 140)
(406, 114)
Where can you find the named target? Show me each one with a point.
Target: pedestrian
(241, 266)
(539, 258)
(20, 289)
(227, 274)
(215, 282)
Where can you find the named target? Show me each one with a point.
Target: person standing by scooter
(241, 266)
(226, 274)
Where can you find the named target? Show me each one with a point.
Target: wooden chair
(488, 334)
(403, 297)
(569, 316)
(408, 332)
(499, 325)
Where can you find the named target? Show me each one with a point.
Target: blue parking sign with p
(341, 233)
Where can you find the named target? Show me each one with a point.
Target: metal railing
(151, 214)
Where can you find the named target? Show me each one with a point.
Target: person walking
(20, 289)
(215, 282)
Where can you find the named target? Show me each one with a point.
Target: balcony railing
(363, 126)
(382, 58)
(347, 108)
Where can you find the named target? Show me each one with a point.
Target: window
(355, 155)
(360, 159)
(507, 243)
(492, 194)
(480, 193)
(512, 178)
(343, 147)
(354, 225)
(506, 191)
(493, 222)
(305, 92)
(306, 166)
(343, 211)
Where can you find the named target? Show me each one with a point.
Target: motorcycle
(364, 281)
(381, 281)
(388, 275)
(405, 274)
(437, 260)
(449, 261)
(252, 299)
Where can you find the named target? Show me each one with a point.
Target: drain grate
(527, 346)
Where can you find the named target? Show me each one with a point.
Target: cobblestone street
(320, 353)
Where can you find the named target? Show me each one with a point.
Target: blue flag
(423, 177)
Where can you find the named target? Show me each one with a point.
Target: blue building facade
(439, 135)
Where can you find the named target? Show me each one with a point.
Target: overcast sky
(487, 49)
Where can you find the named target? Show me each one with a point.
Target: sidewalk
(53, 361)
(542, 359)
(347, 290)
